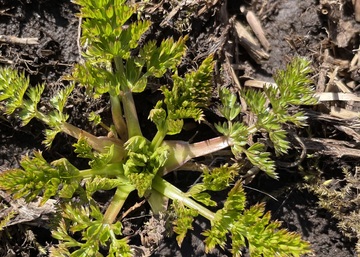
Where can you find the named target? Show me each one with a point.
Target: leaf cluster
(38, 176)
(16, 94)
(111, 37)
(183, 220)
(105, 31)
(143, 163)
(184, 100)
(238, 132)
(94, 233)
(213, 179)
(251, 228)
(97, 160)
(271, 107)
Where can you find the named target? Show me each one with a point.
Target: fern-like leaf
(38, 176)
(12, 89)
(252, 228)
(95, 233)
(167, 56)
(183, 221)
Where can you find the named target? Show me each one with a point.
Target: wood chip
(331, 147)
(257, 29)
(334, 96)
(29, 212)
(349, 131)
(258, 83)
(343, 113)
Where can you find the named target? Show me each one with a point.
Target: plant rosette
(128, 161)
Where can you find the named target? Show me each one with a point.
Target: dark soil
(293, 28)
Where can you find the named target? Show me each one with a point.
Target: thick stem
(133, 126)
(117, 117)
(121, 194)
(172, 192)
(75, 132)
(131, 116)
(181, 151)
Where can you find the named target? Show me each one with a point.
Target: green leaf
(50, 135)
(167, 56)
(230, 107)
(256, 101)
(12, 89)
(257, 156)
(62, 234)
(94, 117)
(294, 83)
(130, 36)
(132, 73)
(197, 192)
(69, 177)
(120, 246)
(97, 160)
(105, 31)
(38, 176)
(264, 237)
(58, 101)
(95, 233)
(183, 221)
(185, 100)
(219, 178)
(96, 76)
(83, 149)
(99, 183)
(216, 236)
(30, 110)
(225, 218)
(279, 139)
(143, 163)
(55, 121)
(174, 126)
(158, 116)
(204, 198)
(252, 228)
(293, 88)
(235, 202)
(191, 93)
(140, 84)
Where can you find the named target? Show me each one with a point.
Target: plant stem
(117, 117)
(97, 143)
(181, 151)
(158, 139)
(122, 192)
(133, 126)
(130, 114)
(172, 192)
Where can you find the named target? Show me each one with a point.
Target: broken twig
(18, 40)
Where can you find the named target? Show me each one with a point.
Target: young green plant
(117, 65)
